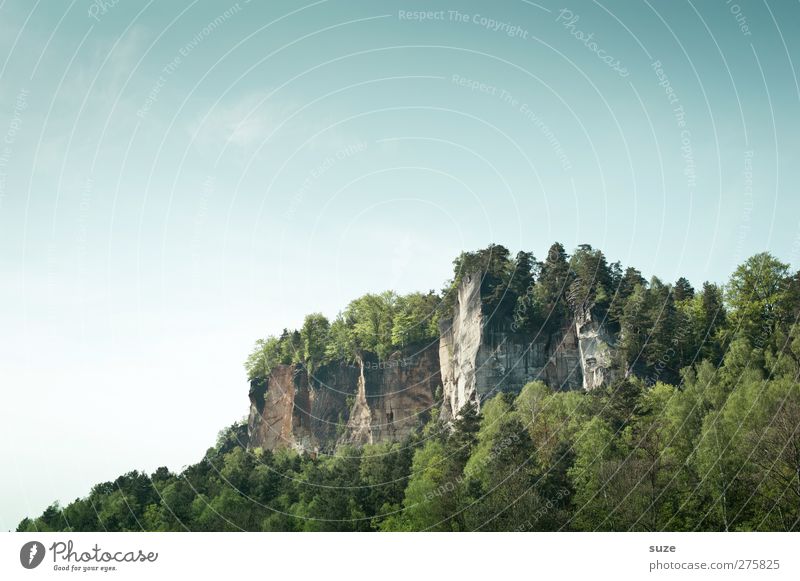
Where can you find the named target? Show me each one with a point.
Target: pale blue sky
(179, 179)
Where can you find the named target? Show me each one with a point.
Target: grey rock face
(596, 352)
(478, 361)
(459, 345)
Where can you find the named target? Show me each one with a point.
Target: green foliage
(660, 336)
(590, 289)
(758, 293)
(550, 294)
(371, 317)
(522, 285)
(265, 356)
(427, 503)
(315, 336)
(502, 472)
(415, 319)
(341, 341)
(624, 286)
(374, 323)
(683, 290)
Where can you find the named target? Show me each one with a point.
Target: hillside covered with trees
(701, 430)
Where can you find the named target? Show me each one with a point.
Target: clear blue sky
(178, 179)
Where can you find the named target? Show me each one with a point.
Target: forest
(700, 432)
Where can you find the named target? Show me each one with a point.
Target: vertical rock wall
(459, 345)
(273, 421)
(394, 396)
(367, 402)
(478, 361)
(596, 346)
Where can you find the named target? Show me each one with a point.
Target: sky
(178, 179)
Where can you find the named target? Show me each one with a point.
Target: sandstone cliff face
(271, 422)
(394, 397)
(459, 345)
(596, 347)
(478, 361)
(367, 402)
(374, 401)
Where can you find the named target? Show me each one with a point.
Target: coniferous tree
(682, 290)
(590, 289)
(551, 291)
(521, 286)
(622, 291)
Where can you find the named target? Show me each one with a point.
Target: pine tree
(682, 290)
(551, 291)
(590, 289)
(622, 291)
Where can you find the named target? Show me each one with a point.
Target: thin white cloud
(244, 123)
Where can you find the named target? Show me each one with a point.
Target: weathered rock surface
(459, 344)
(394, 397)
(374, 401)
(478, 361)
(596, 347)
(367, 402)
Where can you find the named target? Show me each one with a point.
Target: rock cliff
(372, 401)
(366, 402)
(477, 360)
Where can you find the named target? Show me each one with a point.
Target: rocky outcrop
(372, 401)
(459, 344)
(596, 346)
(394, 397)
(366, 402)
(271, 423)
(478, 360)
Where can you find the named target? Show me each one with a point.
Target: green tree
(331, 494)
(415, 319)
(623, 289)
(371, 319)
(502, 472)
(590, 290)
(635, 328)
(341, 343)
(683, 290)
(652, 498)
(595, 466)
(384, 472)
(315, 335)
(291, 347)
(427, 504)
(710, 319)
(551, 290)
(264, 357)
(758, 294)
(662, 348)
